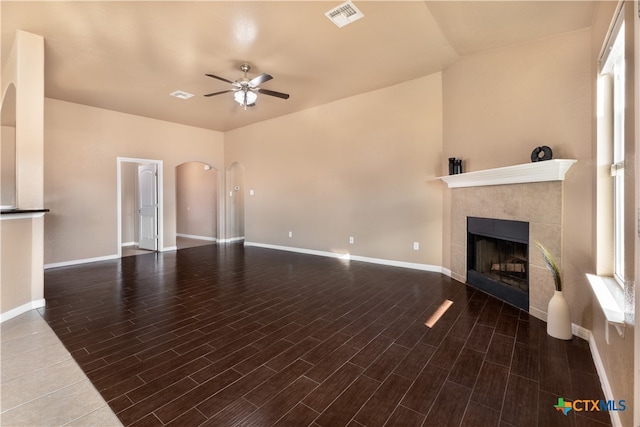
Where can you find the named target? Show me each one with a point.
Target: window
(612, 81)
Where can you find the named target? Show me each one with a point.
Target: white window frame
(614, 66)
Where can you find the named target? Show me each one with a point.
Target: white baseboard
(347, 256)
(538, 314)
(602, 372)
(230, 240)
(22, 309)
(192, 236)
(168, 249)
(80, 261)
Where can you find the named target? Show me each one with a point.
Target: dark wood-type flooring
(224, 335)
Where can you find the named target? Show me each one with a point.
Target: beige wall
(501, 104)
(81, 147)
(618, 355)
(197, 200)
(235, 201)
(361, 167)
(25, 69)
(21, 250)
(8, 161)
(16, 263)
(498, 106)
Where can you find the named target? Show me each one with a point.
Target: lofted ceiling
(128, 56)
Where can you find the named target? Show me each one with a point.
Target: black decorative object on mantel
(455, 166)
(458, 166)
(541, 153)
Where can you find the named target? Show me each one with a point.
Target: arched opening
(196, 204)
(235, 204)
(8, 149)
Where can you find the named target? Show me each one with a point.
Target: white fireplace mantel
(548, 170)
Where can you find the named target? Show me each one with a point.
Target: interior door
(148, 207)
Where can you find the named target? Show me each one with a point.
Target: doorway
(139, 205)
(235, 205)
(196, 204)
(8, 196)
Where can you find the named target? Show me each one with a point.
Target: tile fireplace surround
(538, 203)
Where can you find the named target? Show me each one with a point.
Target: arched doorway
(235, 202)
(8, 149)
(196, 204)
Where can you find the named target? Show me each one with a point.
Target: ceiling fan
(245, 90)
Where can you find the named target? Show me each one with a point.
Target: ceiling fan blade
(257, 81)
(273, 93)
(221, 92)
(220, 78)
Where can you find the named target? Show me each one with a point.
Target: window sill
(610, 296)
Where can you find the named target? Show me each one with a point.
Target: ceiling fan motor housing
(246, 89)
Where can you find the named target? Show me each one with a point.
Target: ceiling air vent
(181, 94)
(344, 14)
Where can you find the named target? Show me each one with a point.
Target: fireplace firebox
(498, 259)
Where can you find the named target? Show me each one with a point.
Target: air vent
(344, 14)
(181, 94)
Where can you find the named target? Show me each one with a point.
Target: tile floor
(41, 383)
(40, 380)
(181, 243)
(223, 335)
(355, 353)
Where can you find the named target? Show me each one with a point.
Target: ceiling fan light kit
(247, 97)
(245, 90)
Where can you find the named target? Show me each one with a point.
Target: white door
(148, 207)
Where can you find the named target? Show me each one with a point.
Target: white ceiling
(129, 56)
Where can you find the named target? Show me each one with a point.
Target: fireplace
(498, 258)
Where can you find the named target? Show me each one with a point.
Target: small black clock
(541, 153)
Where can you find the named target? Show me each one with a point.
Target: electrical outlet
(291, 234)
(351, 240)
(416, 246)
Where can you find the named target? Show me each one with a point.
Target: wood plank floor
(223, 335)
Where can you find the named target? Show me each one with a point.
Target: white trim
(600, 369)
(548, 170)
(610, 297)
(193, 236)
(230, 240)
(22, 309)
(169, 249)
(22, 215)
(80, 261)
(538, 314)
(160, 189)
(127, 244)
(347, 256)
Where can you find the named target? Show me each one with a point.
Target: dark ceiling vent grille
(344, 14)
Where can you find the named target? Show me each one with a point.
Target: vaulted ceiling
(129, 56)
